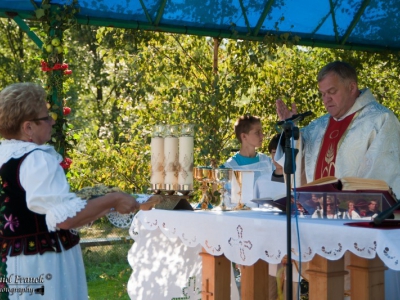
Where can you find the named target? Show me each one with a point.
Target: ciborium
(222, 176)
(204, 175)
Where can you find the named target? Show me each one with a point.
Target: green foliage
(100, 161)
(18, 55)
(126, 81)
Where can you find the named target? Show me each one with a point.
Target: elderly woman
(37, 209)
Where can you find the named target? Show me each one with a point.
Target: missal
(350, 183)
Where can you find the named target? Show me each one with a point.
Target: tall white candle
(171, 159)
(157, 160)
(186, 145)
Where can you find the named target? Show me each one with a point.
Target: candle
(171, 159)
(185, 176)
(157, 161)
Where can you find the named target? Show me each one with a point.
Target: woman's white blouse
(42, 177)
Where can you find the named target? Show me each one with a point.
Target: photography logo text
(16, 284)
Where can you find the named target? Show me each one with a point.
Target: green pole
(56, 79)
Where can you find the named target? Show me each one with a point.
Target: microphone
(295, 118)
(386, 214)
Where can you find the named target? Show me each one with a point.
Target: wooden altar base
(367, 278)
(255, 281)
(216, 277)
(326, 278)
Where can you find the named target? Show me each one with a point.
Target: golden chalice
(204, 175)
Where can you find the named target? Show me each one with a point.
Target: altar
(171, 247)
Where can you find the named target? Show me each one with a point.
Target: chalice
(204, 175)
(238, 176)
(222, 176)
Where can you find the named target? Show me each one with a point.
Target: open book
(351, 183)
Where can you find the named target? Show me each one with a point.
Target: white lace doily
(120, 220)
(125, 220)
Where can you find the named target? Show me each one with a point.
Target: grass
(107, 267)
(108, 281)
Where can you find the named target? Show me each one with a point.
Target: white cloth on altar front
(164, 267)
(244, 237)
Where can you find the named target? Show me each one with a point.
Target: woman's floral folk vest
(21, 230)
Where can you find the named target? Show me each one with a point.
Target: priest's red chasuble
(327, 155)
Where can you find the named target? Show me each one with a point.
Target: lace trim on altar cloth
(16, 149)
(61, 212)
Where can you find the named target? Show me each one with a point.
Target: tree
(126, 81)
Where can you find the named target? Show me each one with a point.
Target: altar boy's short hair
(244, 124)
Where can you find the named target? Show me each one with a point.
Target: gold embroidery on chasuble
(333, 137)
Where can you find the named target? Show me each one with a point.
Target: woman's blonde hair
(19, 102)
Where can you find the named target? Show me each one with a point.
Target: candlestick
(185, 177)
(186, 145)
(171, 158)
(157, 162)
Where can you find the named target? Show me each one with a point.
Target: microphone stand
(289, 168)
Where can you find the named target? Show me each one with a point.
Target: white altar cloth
(243, 237)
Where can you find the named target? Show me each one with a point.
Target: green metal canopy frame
(368, 25)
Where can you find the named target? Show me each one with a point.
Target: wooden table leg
(216, 277)
(326, 279)
(254, 281)
(367, 278)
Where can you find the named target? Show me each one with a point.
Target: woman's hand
(125, 203)
(151, 202)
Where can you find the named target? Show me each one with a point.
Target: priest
(357, 137)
